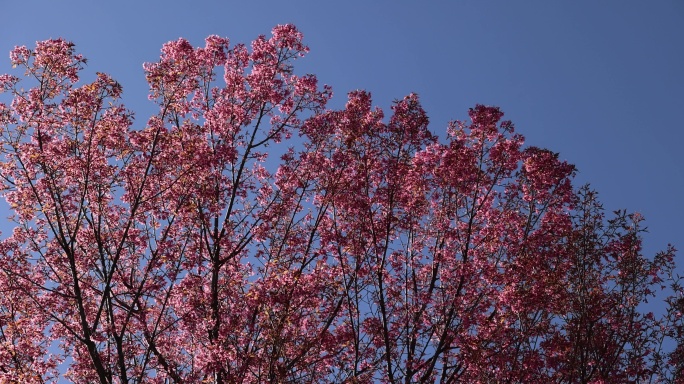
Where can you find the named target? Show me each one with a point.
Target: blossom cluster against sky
(599, 82)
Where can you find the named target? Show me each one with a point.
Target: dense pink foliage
(362, 250)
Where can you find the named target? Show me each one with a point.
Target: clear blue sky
(600, 82)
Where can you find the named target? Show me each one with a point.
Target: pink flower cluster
(367, 250)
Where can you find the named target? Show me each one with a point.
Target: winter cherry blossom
(180, 249)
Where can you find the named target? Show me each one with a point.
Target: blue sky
(600, 82)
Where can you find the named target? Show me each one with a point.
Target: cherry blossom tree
(246, 233)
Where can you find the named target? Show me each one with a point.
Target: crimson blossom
(369, 251)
